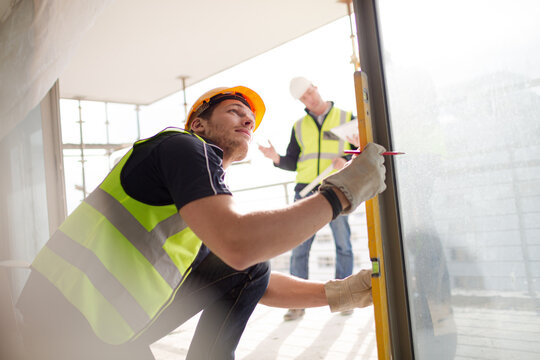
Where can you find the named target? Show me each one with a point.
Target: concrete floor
(483, 334)
(318, 335)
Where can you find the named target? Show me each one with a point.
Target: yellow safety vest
(317, 152)
(119, 261)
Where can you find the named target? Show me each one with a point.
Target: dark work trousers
(53, 329)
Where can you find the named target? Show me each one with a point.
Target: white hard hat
(298, 86)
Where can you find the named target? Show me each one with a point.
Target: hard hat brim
(255, 102)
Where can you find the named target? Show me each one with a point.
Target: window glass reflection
(463, 83)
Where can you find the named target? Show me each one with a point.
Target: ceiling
(138, 49)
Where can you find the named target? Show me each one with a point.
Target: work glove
(349, 293)
(362, 177)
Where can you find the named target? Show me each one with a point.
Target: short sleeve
(190, 169)
(174, 168)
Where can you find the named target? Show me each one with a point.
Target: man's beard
(235, 149)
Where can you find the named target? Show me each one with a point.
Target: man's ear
(198, 125)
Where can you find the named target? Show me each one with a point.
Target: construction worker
(160, 240)
(311, 150)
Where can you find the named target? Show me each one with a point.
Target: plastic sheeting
(37, 39)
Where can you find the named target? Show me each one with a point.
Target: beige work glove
(352, 292)
(362, 177)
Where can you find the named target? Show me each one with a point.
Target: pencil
(384, 153)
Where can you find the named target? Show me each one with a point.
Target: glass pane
(69, 116)
(23, 198)
(97, 163)
(463, 84)
(73, 178)
(94, 126)
(166, 112)
(122, 123)
(96, 168)
(106, 129)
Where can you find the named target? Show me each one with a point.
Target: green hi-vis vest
(117, 260)
(317, 149)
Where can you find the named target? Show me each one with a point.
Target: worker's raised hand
(353, 139)
(362, 177)
(349, 293)
(270, 152)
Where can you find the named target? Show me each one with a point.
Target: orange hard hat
(253, 99)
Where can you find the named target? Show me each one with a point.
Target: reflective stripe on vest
(317, 153)
(119, 261)
(144, 241)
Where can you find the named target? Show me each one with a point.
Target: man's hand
(270, 152)
(353, 139)
(349, 293)
(362, 178)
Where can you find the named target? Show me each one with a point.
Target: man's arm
(287, 291)
(271, 153)
(242, 240)
(287, 162)
(290, 292)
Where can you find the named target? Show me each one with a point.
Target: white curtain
(37, 39)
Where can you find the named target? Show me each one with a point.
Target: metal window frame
(108, 147)
(370, 54)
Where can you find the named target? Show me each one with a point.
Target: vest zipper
(319, 148)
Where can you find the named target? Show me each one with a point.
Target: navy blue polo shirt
(174, 168)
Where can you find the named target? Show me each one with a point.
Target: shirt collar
(217, 149)
(321, 117)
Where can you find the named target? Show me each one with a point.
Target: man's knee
(261, 270)
(259, 275)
